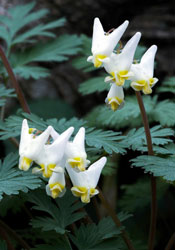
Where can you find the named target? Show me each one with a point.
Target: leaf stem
(15, 84)
(170, 242)
(15, 235)
(115, 219)
(152, 230)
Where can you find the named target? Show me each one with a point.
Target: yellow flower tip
(47, 170)
(151, 82)
(97, 62)
(56, 189)
(25, 163)
(77, 162)
(114, 102)
(84, 193)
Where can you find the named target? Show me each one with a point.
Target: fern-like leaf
(158, 166)
(13, 180)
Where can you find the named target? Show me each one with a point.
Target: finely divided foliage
(64, 223)
(12, 180)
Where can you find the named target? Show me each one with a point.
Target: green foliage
(167, 86)
(13, 180)
(95, 84)
(16, 29)
(56, 50)
(128, 115)
(96, 237)
(61, 214)
(158, 166)
(164, 107)
(4, 93)
(3, 245)
(20, 16)
(81, 61)
(134, 192)
(136, 139)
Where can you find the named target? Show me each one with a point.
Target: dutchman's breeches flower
(115, 97)
(85, 182)
(56, 186)
(75, 152)
(31, 145)
(118, 65)
(143, 79)
(51, 154)
(103, 43)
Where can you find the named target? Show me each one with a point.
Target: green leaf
(60, 243)
(158, 166)
(129, 115)
(4, 93)
(39, 30)
(13, 180)
(92, 85)
(167, 86)
(62, 214)
(164, 113)
(56, 50)
(136, 139)
(81, 61)
(34, 72)
(90, 236)
(17, 18)
(108, 140)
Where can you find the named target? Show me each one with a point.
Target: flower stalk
(170, 242)
(152, 230)
(15, 84)
(115, 219)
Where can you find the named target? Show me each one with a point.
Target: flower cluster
(54, 153)
(119, 64)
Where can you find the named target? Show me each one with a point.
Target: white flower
(118, 65)
(85, 182)
(56, 185)
(115, 97)
(51, 154)
(75, 152)
(143, 72)
(104, 43)
(30, 145)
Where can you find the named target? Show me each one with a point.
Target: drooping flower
(143, 79)
(85, 182)
(30, 145)
(75, 152)
(115, 97)
(118, 65)
(103, 43)
(51, 154)
(56, 185)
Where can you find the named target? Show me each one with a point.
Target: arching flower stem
(15, 84)
(152, 230)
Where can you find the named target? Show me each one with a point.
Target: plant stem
(152, 231)
(170, 242)
(115, 219)
(15, 84)
(15, 235)
(6, 238)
